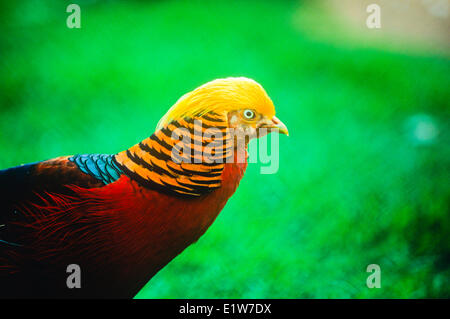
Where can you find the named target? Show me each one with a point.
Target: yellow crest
(221, 96)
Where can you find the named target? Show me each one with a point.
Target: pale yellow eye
(249, 114)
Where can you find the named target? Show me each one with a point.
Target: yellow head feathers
(221, 96)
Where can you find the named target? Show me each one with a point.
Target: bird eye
(249, 114)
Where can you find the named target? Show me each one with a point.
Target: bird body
(123, 217)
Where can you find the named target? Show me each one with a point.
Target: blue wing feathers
(100, 166)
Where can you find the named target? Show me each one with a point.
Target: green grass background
(354, 187)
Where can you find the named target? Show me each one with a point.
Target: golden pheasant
(123, 217)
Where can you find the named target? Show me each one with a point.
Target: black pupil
(249, 114)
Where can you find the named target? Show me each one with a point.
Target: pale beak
(279, 126)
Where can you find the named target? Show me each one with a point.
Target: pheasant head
(241, 101)
(199, 135)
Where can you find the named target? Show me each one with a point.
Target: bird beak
(279, 126)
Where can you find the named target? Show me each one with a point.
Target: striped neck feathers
(185, 157)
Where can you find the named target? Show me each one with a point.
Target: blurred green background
(363, 178)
